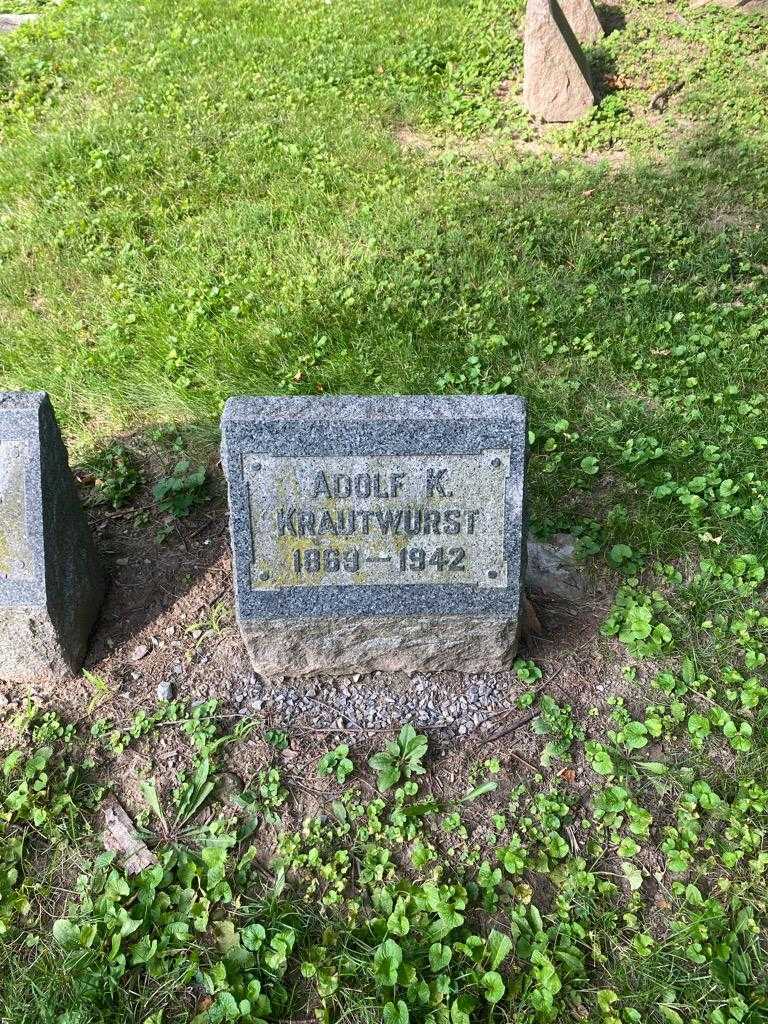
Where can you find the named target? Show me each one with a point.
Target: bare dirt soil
(167, 630)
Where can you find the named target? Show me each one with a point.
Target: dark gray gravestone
(377, 533)
(51, 583)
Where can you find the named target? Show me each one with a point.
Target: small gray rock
(553, 571)
(10, 22)
(164, 690)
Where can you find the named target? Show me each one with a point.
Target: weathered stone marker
(583, 19)
(557, 85)
(51, 582)
(377, 533)
(10, 22)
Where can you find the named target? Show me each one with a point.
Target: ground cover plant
(325, 197)
(645, 900)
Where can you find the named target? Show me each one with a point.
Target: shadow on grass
(611, 18)
(521, 271)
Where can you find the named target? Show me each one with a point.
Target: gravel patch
(454, 704)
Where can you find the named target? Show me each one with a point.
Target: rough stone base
(31, 647)
(298, 647)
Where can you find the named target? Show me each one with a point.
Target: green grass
(214, 201)
(216, 204)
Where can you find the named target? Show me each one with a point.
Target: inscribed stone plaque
(51, 583)
(377, 520)
(377, 532)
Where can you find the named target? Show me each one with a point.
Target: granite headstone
(51, 582)
(377, 533)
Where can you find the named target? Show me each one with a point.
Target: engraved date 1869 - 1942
(363, 520)
(412, 559)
